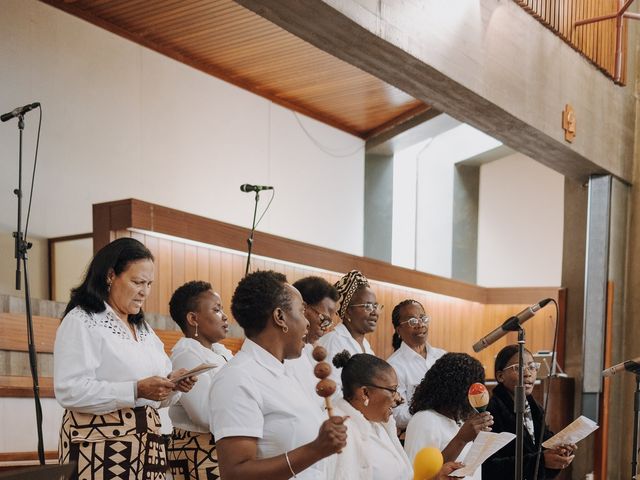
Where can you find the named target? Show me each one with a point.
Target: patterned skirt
(125, 444)
(192, 456)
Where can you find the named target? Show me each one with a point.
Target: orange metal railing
(595, 41)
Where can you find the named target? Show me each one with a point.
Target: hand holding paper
(194, 372)
(577, 430)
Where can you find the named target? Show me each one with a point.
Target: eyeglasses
(369, 307)
(415, 322)
(393, 390)
(325, 320)
(532, 367)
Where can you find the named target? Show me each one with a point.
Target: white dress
(373, 451)
(428, 428)
(302, 370)
(336, 341)
(410, 367)
(253, 396)
(97, 362)
(191, 412)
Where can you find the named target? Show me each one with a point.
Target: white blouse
(373, 451)
(335, 342)
(255, 397)
(410, 367)
(191, 412)
(97, 362)
(428, 428)
(302, 370)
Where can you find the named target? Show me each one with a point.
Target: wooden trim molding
(131, 213)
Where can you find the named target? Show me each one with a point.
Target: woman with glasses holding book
(502, 463)
(413, 355)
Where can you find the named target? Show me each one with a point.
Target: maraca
(325, 387)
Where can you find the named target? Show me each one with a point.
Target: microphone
(247, 187)
(629, 366)
(19, 111)
(509, 325)
(478, 397)
(427, 463)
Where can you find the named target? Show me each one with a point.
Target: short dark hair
(185, 300)
(396, 341)
(358, 370)
(316, 289)
(504, 356)
(256, 297)
(445, 386)
(93, 292)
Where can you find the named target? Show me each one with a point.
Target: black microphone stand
(636, 411)
(21, 248)
(253, 229)
(519, 401)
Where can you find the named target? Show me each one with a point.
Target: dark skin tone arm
(467, 433)
(237, 455)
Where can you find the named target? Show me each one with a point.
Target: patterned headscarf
(347, 286)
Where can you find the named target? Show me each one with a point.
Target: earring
(196, 334)
(348, 319)
(108, 286)
(285, 329)
(366, 402)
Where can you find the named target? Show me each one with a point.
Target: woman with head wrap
(358, 310)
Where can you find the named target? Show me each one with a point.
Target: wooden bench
(13, 337)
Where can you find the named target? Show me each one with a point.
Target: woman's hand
(480, 422)
(155, 388)
(447, 468)
(185, 384)
(332, 437)
(555, 460)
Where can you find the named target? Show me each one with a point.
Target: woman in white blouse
(110, 370)
(413, 355)
(359, 311)
(442, 416)
(264, 424)
(197, 310)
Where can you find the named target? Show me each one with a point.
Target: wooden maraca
(325, 387)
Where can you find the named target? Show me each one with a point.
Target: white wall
(18, 416)
(122, 121)
(520, 229)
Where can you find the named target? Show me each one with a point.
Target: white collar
(263, 357)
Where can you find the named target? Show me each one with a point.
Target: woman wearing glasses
(320, 299)
(373, 451)
(358, 309)
(502, 463)
(413, 355)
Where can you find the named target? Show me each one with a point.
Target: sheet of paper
(203, 367)
(485, 445)
(580, 428)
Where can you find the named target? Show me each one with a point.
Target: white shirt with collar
(191, 412)
(335, 342)
(410, 368)
(254, 397)
(429, 428)
(97, 362)
(373, 451)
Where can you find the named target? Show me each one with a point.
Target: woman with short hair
(264, 424)
(111, 373)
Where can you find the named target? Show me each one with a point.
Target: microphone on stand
(478, 397)
(628, 365)
(510, 325)
(19, 111)
(247, 187)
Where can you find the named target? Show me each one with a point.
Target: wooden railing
(595, 41)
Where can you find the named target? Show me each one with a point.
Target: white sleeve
(76, 356)
(421, 432)
(196, 401)
(237, 410)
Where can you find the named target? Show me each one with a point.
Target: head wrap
(347, 286)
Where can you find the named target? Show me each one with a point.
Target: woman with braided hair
(413, 355)
(358, 309)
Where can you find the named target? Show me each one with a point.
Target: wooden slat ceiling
(228, 41)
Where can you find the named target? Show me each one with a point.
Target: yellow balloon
(427, 463)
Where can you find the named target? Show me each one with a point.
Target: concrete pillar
(466, 191)
(378, 206)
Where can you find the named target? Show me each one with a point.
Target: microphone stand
(636, 411)
(253, 229)
(21, 248)
(519, 403)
